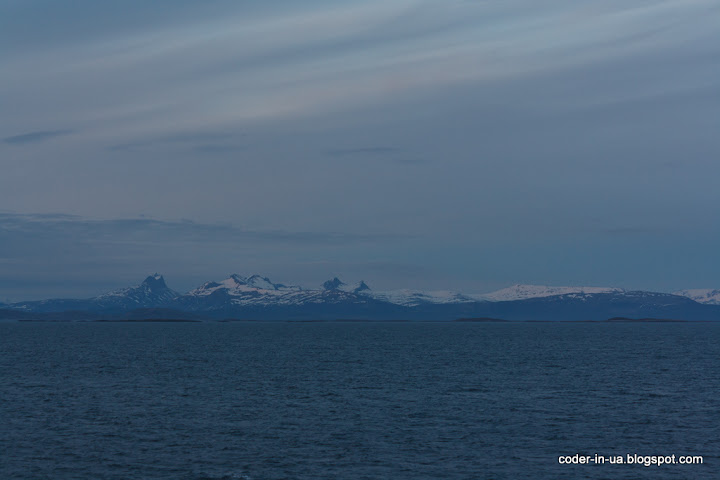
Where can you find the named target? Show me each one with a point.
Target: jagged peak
(154, 281)
(238, 278)
(258, 281)
(333, 284)
(153, 289)
(362, 287)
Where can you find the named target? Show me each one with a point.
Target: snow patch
(523, 292)
(700, 295)
(413, 298)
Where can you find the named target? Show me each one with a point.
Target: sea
(354, 400)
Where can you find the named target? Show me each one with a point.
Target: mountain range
(258, 298)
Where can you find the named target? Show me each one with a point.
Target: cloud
(210, 148)
(364, 151)
(59, 228)
(638, 230)
(35, 137)
(388, 155)
(200, 141)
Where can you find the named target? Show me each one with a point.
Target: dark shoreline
(345, 320)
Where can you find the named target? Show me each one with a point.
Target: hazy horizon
(319, 286)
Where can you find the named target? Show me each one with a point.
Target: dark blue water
(355, 401)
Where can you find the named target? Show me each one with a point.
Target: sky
(458, 144)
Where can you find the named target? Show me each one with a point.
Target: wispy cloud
(363, 151)
(379, 154)
(35, 137)
(300, 61)
(59, 228)
(193, 140)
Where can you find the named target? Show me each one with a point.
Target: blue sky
(457, 144)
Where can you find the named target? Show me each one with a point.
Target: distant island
(643, 320)
(481, 320)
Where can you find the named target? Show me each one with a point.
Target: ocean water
(356, 400)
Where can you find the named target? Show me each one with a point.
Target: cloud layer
(460, 126)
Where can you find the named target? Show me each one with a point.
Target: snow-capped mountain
(524, 292)
(152, 292)
(260, 292)
(414, 298)
(239, 286)
(601, 306)
(258, 298)
(405, 297)
(338, 285)
(707, 296)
